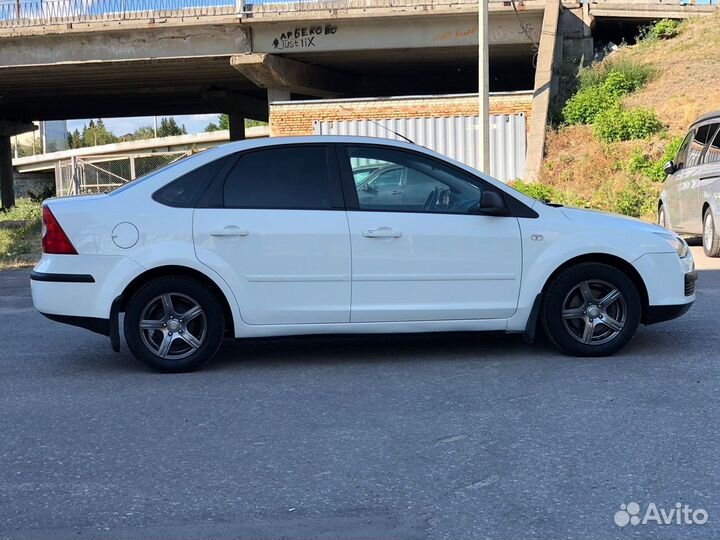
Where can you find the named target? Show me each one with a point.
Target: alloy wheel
(708, 232)
(173, 326)
(594, 312)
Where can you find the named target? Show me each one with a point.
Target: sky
(194, 123)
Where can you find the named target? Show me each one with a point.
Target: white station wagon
(309, 235)
(690, 201)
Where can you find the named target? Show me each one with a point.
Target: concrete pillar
(543, 91)
(7, 188)
(237, 127)
(273, 95)
(277, 94)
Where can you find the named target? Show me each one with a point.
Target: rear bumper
(61, 278)
(80, 287)
(99, 326)
(656, 314)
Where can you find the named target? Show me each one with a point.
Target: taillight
(54, 239)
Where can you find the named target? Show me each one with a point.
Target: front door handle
(382, 232)
(230, 230)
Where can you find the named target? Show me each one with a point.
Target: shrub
(653, 170)
(663, 29)
(617, 124)
(548, 194)
(15, 242)
(536, 190)
(601, 88)
(637, 74)
(586, 104)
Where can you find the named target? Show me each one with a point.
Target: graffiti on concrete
(303, 37)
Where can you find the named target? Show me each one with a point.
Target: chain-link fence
(99, 174)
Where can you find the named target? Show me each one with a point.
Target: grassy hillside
(672, 76)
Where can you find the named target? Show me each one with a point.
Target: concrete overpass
(218, 62)
(158, 57)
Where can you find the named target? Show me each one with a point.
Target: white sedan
(274, 237)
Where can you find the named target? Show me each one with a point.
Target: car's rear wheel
(591, 309)
(711, 239)
(174, 324)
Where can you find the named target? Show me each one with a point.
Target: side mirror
(670, 168)
(492, 204)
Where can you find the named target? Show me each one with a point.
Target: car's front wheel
(591, 309)
(711, 239)
(174, 324)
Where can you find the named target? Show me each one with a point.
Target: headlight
(677, 243)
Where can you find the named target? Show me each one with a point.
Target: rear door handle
(382, 232)
(230, 230)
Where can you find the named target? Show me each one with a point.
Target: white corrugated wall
(455, 137)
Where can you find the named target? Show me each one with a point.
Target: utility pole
(483, 88)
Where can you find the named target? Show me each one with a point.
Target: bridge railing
(42, 12)
(19, 13)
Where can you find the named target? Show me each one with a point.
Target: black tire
(187, 344)
(711, 239)
(662, 216)
(569, 319)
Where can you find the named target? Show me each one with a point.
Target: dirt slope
(686, 84)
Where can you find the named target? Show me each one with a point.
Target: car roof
(708, 116)
(309, 139)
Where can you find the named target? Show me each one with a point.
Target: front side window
(291, 177)
(683, 151)
(697, 145)
(407, 182)
(713, 152)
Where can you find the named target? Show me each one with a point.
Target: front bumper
(657, 314)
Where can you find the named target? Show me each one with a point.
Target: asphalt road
(410, 437)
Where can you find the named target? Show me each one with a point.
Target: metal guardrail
(26, 13)
(41, 12)
(23, 13)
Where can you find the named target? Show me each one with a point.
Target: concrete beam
(8, 128)
(543, 91)
(150, 43)
(236, 104)
(647, 10)
(272, 71)
(393, 33)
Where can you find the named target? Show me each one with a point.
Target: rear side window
(294, 177)
(186, 190)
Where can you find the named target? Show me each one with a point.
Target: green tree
(143, 132)
(95, 133)
(223, 122)
(169, 127)
(75, 139)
